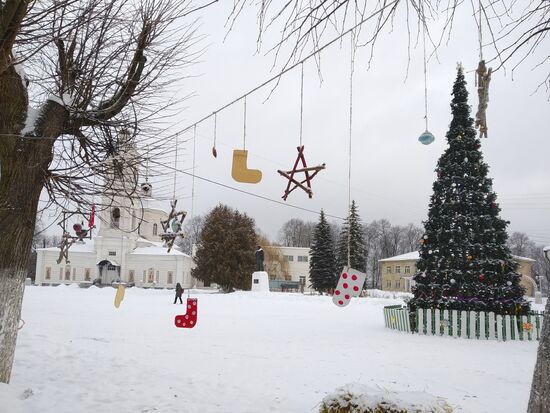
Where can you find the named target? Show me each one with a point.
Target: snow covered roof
(403, 257)
(414, 255)
(157, 250)
(86, 246)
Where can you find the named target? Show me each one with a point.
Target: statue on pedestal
(259, 259)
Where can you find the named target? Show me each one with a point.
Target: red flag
(91, 221)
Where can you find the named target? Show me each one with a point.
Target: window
(157, 277)
(112, 253)
(302, 279)
(68, 273)
(388, 270)
(398, 284)
(288, 258)
(115, 218)
(155, 229)
(151, 275)
(256, 281)
(48, 273)
(398, 269)
(111, 267)
(407, 269)
(388, 283)
(302, 258)
(60, 273)
(131, 276)
(170, 277)
(144, 275)
(87, 274)
(74, 274)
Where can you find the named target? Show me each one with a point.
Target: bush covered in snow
(358, 398)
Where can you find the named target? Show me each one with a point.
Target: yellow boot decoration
(240, 171)
(119, 295)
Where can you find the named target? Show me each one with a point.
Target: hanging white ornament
(509, 283)
(453, 281)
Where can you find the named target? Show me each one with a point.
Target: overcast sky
(392, 173)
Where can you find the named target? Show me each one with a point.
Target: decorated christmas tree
(352, 234)
(464, 262)
(322, 261)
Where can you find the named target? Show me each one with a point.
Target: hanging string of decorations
(309, 171)
(483, 78)
(426, 137)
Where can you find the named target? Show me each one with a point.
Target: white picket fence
(466, 324)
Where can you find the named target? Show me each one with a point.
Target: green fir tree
(225, 254)
(352, 231)
(464, 262)
(322, 262)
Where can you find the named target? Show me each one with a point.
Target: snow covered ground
(250, 352)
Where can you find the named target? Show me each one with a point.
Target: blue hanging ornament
(426, 138)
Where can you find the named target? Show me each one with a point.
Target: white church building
(127, 249)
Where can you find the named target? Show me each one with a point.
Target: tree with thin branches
(81, 82)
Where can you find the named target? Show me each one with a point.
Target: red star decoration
(305, 169)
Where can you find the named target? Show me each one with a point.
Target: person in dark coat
(179, 292)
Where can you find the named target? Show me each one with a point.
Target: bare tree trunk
(19, 193)
(23, 170)
(539, 401)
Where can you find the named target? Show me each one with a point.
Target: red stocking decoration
(189, 319)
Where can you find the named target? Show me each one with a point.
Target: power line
(288, 69)
(265, 198)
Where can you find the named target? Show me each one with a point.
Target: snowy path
(249, 353)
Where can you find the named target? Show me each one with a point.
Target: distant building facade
(396, 272)
(127, 247)
(287, 264)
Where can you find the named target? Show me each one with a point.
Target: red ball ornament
(493, 204)
(481, 277)
(77, 228)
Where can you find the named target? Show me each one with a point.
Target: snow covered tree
(351, 231)
(323, 272)
(225, 254)
(74, 74)
(465, 263)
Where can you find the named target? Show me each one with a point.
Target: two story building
(396, 272)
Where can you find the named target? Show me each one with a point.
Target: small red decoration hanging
(189, 319)
(493, 204)
(481, 277)
(306, 170)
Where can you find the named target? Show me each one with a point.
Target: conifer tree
(322, 263)
(225, 254)
(464, 262)
(352, 231)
